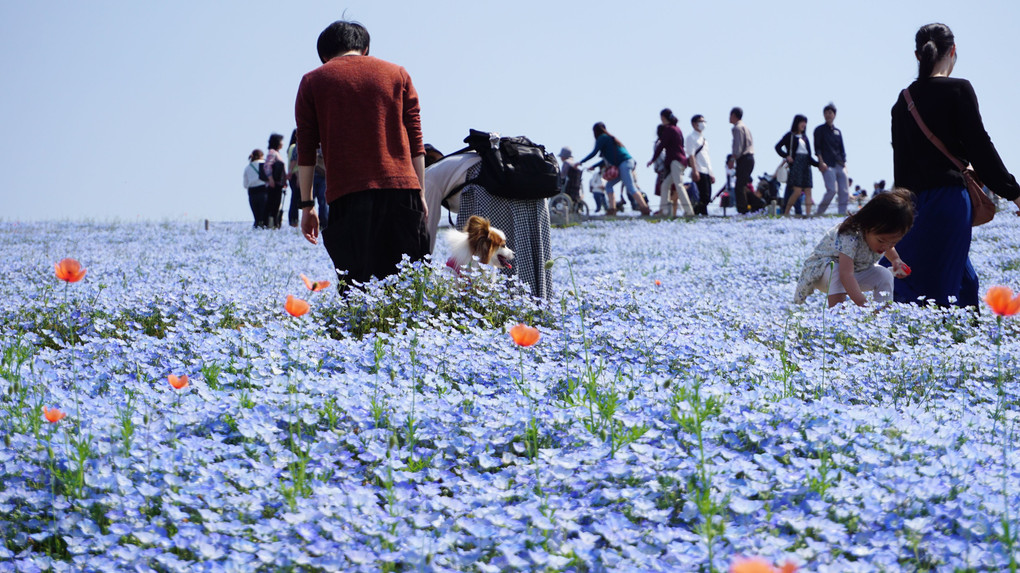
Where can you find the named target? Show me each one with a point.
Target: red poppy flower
(53, 416)
(524, 335)
(759, 565)
(296, 306)
(178, 382)
(69, 270)
(1002, 302)
(314, 286)
(658, 282)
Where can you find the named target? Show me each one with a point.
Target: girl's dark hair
(931, 43)
(255, 154)
(341, 37)
(668, 114)
(889, 212)
(600, 129)
(275, 141)
(796, 120)
(293, 138)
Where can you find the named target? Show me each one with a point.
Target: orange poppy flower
(1002, 302)
(53, 416)
(524, 335)
(658, 282)
(296, 306)
(69, 270)
(759, 565)
(314, 286)
(178, 382)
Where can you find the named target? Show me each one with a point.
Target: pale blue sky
(126, 110)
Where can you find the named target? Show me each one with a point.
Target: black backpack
(278, 176)
(514, 167)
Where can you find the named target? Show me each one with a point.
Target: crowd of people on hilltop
(359, 116)
(676, 156)
(269, 176)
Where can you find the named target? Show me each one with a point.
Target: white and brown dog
(479, 241)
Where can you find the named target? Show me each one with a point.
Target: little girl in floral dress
(845, 261)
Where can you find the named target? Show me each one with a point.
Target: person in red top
(364, 112)
(671, 140)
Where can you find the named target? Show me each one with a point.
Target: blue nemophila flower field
(669, 426)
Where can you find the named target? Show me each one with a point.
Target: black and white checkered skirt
(525, 222)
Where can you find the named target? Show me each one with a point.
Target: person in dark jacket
(938, 245)
(795, 148)
(832, 162)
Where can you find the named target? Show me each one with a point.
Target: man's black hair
(341, 37)
(737, 112)
(831, 106)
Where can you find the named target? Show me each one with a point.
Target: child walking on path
(845, 261)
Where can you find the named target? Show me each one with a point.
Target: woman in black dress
(795, 148)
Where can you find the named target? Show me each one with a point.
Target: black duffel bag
(514, 167)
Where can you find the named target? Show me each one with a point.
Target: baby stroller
(766, 192)
(768, 188)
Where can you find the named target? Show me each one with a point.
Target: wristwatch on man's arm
(306, 204)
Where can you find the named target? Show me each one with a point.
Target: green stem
(526, 394)
(1000, 401)
(825, 346)
(53, 493)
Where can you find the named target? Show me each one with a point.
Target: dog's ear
(476, 228)
(476, 224)
(485, 249)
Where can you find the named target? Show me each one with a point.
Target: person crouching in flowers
(845, 261)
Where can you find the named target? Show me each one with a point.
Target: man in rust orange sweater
(364, 112)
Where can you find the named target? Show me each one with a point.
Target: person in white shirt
(258, 193)
(443, 180)
(597, 186)
(696, 147)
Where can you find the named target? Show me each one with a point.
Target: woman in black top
(938, 246)
(796, 149)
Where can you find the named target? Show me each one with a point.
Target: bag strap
(927, 132)
(458, 152)
(456, 189)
